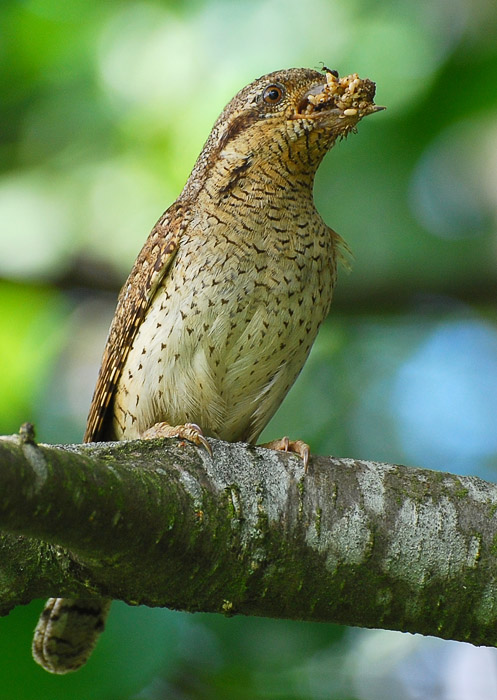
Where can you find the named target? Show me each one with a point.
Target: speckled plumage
(232, 322)
(225, 300)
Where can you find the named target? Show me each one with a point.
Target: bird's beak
(348, 97)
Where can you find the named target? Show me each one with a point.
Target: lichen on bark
(247, 532)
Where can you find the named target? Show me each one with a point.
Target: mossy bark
(161, 523)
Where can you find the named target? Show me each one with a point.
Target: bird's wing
(148, 271)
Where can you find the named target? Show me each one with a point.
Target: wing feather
(134, 300)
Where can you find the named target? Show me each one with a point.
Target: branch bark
(160, 523)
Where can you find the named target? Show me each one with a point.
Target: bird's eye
(273, 94)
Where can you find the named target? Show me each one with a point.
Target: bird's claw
(298, 447)
(189, 431)
(196, 436)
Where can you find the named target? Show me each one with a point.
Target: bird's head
(289, 116)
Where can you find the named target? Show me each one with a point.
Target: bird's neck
(239, 168)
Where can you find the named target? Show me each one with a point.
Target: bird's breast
(227, 333)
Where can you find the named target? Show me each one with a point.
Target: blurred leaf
(31, 334)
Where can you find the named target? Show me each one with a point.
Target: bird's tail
(67, 632)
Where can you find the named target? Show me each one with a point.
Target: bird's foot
(284, 444)
(188, 431)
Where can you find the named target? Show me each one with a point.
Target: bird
(225, 299)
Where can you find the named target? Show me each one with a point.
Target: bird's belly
(223, 358)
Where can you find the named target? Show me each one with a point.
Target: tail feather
(67, 632)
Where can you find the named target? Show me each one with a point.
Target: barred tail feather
(67, 632)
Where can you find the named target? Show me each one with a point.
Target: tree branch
(160, 523)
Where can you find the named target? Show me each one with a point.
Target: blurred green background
(104, 107)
